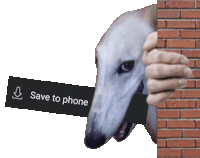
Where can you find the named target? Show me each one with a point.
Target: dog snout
(94, 143)
(94, 137)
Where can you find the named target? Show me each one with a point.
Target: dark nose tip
(93, 144)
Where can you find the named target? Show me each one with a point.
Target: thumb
(151, 42)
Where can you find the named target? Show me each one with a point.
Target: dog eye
(126, 67)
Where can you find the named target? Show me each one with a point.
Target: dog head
(120, 71)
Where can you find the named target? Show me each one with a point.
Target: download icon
(17, 94)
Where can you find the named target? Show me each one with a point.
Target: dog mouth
(121, 133)
(125, 127)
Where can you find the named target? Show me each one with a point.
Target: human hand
(165, 71)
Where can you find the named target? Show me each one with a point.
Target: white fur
(123, 41)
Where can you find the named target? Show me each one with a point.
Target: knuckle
(157, 70)
(176, 83)
(181, 68)
(158, 57)
(175, 70)
(181, 59)
(171, 84)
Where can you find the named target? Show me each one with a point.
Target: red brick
(191, 133)
(161, 143)
(161, 43)
(168, 152)
(180, 4)
(169, 113)
(181, 124)
(197, 63)
(168, 14)
(194, 14)
(198, 24)
(161, 4)
(198, 83)
(190, 113)
(198, 4)
(181, 104)
(181, 24)
(169, 133)
(197, 43)
(180, 43)
(198, 124)
(190, 33)
(198, 103)
(162, 105)
(161, 124)
(191, 63)
(191, 93)
(177, 94)
(190, 84)
(198, 142)
(195, 74)
(191, 152)
(181, 143)
(168, 33)
(162, 24)
(191, 53)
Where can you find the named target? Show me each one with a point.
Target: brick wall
(179, 117)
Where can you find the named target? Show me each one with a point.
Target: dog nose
(93, 144)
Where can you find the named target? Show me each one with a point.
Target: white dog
(121, 74)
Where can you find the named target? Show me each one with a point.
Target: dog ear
(149, 14)
(151, 123)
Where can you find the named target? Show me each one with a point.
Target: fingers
(158, 71)
(156, 56)
(166, 71)
(151, 41)
(158, 98)
(156, 86)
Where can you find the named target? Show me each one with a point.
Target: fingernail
(187, 71)
(182, 81)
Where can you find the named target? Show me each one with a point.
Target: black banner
(63, 98)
